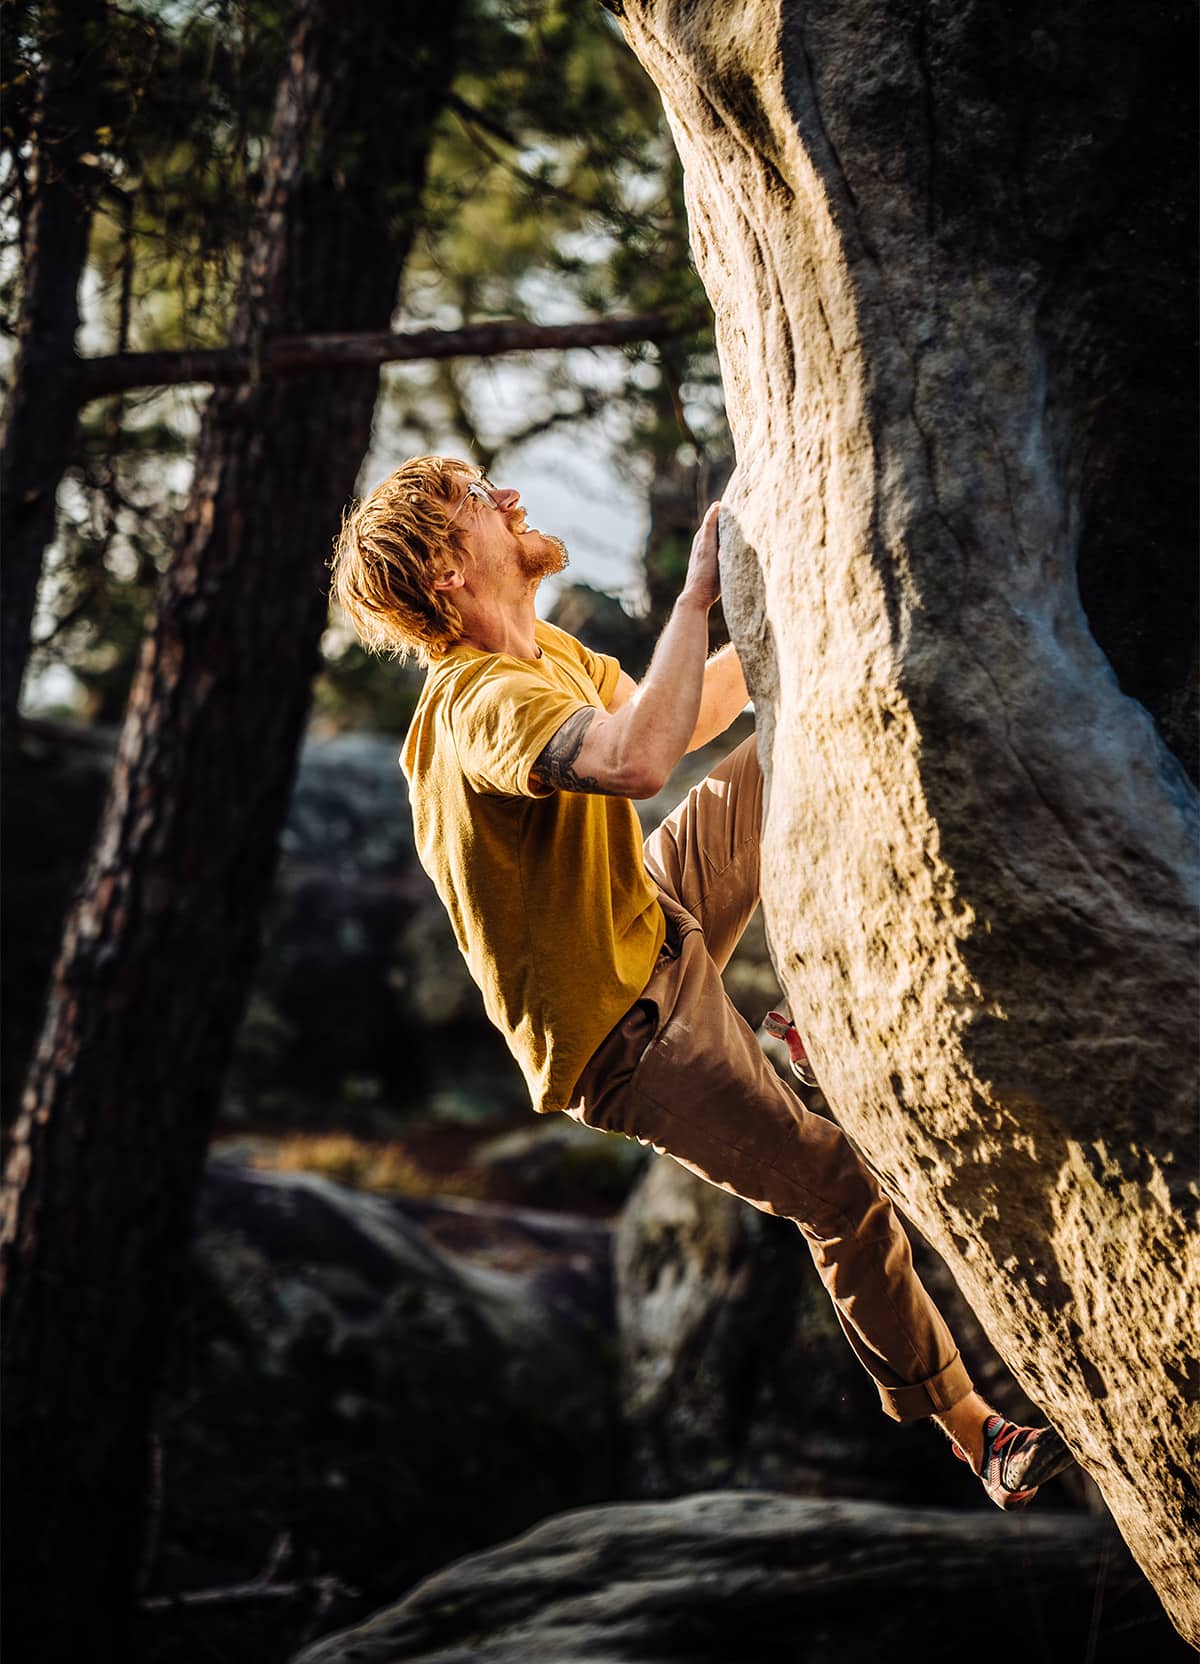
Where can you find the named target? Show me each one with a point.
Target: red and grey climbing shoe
(781, 1026)
(1016, 1460)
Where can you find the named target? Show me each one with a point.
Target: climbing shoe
(781, 1026)
(1016, 1460)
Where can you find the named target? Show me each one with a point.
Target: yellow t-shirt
(553, 909)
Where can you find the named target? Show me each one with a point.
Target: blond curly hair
(388, 553)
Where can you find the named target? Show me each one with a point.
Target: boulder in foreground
(753, 1578)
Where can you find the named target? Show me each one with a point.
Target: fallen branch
(287, 355)
(261, 1587)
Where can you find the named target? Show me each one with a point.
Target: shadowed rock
(749, 1578)
(392, 1383)
(950, 252)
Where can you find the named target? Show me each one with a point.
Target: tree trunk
(951, 251)
(40, 415)
(152, 975)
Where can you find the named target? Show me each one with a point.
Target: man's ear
(449, 577)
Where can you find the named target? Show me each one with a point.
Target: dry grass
(383, 1167)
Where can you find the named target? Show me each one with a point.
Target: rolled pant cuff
(927, 1398)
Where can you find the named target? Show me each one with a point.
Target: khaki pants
(683, 1073)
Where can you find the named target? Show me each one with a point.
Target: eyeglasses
(483, 489)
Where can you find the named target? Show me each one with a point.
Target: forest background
(553, 196)
(184, 188)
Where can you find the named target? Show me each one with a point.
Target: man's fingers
(708, 532)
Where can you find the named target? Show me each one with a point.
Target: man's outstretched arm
(630, 751)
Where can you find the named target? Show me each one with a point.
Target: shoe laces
(1006, 1440)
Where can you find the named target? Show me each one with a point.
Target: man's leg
(686, 1075)
(706, 853)
(683, 1073)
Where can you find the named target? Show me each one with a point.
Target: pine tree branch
(288, 355)
(477, 123)
(590, 403)
(263, 1587)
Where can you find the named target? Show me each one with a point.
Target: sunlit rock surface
(750, 1578)
(949, 251)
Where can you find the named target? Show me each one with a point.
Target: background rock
(362, 1011)
(557, 1157)
(748, 1578)
(389, 1383)
(951, 253)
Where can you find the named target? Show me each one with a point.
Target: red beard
(541, 556)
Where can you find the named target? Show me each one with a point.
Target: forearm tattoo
(556, 763)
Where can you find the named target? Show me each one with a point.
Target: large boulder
(390, 1383)
(950, 250)
(750, 1578)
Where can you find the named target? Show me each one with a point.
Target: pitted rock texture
(947, 247)
(750, 1578)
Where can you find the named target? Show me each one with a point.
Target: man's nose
(504, 497)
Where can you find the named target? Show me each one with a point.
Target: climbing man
(599, 960)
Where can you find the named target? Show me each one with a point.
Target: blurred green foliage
(554, 193)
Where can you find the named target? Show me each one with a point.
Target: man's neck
(508, 630)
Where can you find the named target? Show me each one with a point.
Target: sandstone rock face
(943, 248)
(750, 1578)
